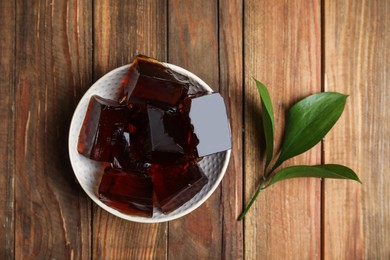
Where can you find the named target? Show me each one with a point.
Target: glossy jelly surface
(148, 79)
(103, 125)
(175, 184)
(170, 138)
(129, 192)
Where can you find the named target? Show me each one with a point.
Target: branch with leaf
(307, 122)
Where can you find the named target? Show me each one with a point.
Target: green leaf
(333, 171)
(308, 121)
(268, 121)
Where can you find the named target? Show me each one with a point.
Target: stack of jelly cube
(152, 137)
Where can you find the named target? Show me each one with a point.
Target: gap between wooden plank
(7, 128)
(322, 12)
(230, 31)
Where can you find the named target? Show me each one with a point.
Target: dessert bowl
(89, 172)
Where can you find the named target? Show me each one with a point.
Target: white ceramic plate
(89, 172)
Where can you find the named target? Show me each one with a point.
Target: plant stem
(276, 165)
(242, 215)
(265, 177)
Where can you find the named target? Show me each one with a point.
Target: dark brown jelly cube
(190, 137)
(174, 185)
(131, 146)
(103, 124)
(163, 145)
(125, 160)
(128, 151)
(169, 136)
(148, 79)
(128, 192)
(137, 127)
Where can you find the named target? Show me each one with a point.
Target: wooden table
(53, 51)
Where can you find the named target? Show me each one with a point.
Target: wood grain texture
(51, 52)
(282, 50)
(357, 55)
(125, 29)
(231, 87)
(193, 44)
(7, 127)
(53, 65)
(122, 30)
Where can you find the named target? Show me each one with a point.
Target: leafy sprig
(307, 123)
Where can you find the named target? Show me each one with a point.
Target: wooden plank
(357, 55)
(282, 50)
(193, 44)
(7, 127)
(231, 87)
(53, 67)
(138, 27)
